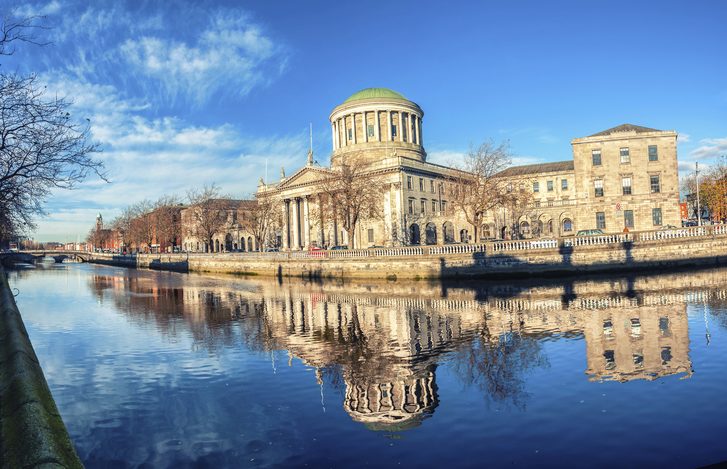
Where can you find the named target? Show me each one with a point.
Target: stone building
(384, 130)
(231, 233)
(624, 177)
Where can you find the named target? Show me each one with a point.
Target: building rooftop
(371, 93)
(537, 168)
(625, 128)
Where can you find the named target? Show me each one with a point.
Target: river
(160, 369)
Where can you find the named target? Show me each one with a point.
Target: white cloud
(230, 57)
(710, 148)
(149, 157)
(682, 138)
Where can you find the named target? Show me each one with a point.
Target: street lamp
(699, 211)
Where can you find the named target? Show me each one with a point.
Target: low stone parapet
(32, 433)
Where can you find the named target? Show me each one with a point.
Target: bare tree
(208, 213)
(41, 146)
(352, 193)
(166, 220)
(263, 218)
(476, 188)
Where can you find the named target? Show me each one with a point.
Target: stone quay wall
(32, 432)
(702, 246)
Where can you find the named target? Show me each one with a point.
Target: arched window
(524, 228)
(464, 236)
(550, 226)
(430, 233)
(448, 230)
(242, 244)
(414, 236)
(228, 242)
(486, 231)
(249, 244)
(567, 225)
(217, 245)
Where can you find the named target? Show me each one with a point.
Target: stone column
(296, 224)
(401, 127)
(333, 135)
(306, 223)
(353, 128)
(388, 219)
(419, 132)
(286, 225)
(322, 222)
(365, 126)
(388, 124)
(398, 215)
(377, 123)
(417, 120)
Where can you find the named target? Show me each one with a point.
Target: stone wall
(626, 256)
(32, 432)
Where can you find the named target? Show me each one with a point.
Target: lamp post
(699, 211)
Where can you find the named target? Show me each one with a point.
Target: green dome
(369, 93)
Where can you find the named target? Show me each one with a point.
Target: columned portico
(296, 224)
(306, 223)
(286, 224)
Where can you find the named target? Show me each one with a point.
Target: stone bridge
(31, 257)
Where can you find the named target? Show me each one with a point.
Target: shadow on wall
(500, 280)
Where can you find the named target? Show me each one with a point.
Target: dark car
(337, 248)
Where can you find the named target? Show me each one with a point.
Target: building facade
(624, 178)
(230, 227)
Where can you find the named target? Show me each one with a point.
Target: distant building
(232, 235)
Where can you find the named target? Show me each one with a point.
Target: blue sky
(182, 94)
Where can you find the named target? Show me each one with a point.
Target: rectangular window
(371, 235)
(550, 186)
(653, 153)
(444, 206)
(370, 130)
(424, 206)
(434, 206)
(431, 186)
(393, 131)
(601, 220)
(626, 185)
(656, 216)
(655, 186)
(411, 206)
(596, 157)
(629, 218)
(598, 186)
(350, 134)
(536, 186)
(564, 184)
(408, 182)
(421, 184)
(625, 156)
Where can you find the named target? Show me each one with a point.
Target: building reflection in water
(382, 341)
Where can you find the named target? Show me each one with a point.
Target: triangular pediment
(305, 175)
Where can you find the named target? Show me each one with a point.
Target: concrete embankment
(490, 262)
(32, 432)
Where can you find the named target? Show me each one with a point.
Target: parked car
(595, 232)
(272, 250)
(376, 247)
(337, 248)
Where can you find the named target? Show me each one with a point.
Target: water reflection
(382, 343)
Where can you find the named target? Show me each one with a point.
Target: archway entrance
(430, 233)
(228, 242)
(414, 235)
(448, 230)
(463, 236)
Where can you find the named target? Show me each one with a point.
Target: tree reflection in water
(496, 363)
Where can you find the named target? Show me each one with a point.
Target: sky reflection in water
(170, 370)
